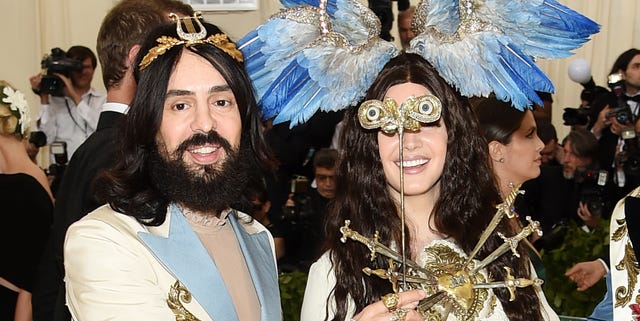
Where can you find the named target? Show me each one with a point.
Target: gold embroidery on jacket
(629, 264)
(178, 294)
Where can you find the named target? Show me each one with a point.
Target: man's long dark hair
(622, 62)
(467, 201)
(127, 187)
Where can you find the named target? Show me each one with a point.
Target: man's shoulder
(106, 216)
(98, 93)
(98, 148)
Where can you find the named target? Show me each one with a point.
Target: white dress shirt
(62, 120)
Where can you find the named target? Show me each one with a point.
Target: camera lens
(623, 116)
(38, 138)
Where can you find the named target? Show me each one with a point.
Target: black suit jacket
(74, 200)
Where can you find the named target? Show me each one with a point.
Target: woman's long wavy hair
(466, 204)
(127, 187)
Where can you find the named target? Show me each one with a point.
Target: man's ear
(496, 151)
(133, 52)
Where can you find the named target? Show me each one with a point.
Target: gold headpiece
(391, 118)
(190, 38)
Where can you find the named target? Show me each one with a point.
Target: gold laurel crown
(190, 38)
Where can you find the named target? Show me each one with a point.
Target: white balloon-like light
(580, 70)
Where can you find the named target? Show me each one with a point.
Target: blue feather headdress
(324, 54)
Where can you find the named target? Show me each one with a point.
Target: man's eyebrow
(184, 92)
(178, 92)
(220, 88)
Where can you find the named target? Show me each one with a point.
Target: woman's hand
(405, 309)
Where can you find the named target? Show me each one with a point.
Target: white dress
(322, 280)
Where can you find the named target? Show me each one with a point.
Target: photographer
(576, 191)
(70, 107)
(384, 12)
(306, 209)
(617, 112)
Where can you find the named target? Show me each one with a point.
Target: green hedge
(577, 246)
(292, 286)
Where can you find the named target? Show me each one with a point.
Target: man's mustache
(211, 137)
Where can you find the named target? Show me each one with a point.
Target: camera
(299, 186)
(622, 114)
(629, 157)
(591, 183)
(59, 151)
(38, 138)
(56, 62)
(576, 116)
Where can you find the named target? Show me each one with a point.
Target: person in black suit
(122, 31)
(611, 121)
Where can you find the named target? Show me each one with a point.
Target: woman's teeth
(411, 163)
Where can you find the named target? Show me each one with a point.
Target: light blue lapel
(259, 257)
(183, 254)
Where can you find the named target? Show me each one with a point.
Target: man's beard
(568, 172)
(205, 188)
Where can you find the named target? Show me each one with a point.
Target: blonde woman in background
(27, 207)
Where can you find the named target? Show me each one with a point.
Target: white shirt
(62, 120)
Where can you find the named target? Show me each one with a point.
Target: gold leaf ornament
(178, 294)
(189, 38)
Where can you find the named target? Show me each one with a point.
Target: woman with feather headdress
(414, 181)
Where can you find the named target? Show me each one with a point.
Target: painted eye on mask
(389, 117)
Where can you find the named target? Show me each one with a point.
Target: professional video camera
(629, 157)
(56, 62)
(591, 184)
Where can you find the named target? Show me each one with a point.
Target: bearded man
(171, 243)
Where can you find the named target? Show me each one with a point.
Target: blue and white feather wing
(495, 42)
(540, 28)
(270, 52)
(486, 63)
(302, 60)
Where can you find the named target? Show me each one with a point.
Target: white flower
(16, 101)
